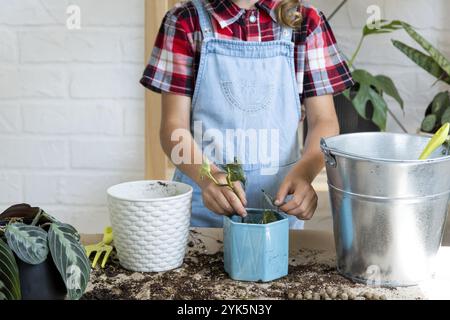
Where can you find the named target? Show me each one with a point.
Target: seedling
(234, 173)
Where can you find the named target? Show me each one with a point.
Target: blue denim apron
(246, 91)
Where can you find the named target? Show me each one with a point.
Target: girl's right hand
(222, 200)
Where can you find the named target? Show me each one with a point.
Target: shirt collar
(226, 12)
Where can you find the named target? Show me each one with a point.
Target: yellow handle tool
(101, 247)
(436, 141)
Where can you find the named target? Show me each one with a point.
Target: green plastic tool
(101, 247)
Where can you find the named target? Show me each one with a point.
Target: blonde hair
(288, 13)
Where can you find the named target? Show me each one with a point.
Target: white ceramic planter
(150, 221)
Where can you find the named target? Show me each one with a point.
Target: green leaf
(429, 123)
(387, 86)
(437, 56)
(440, 102)
(360, 100)
(29, 243)
(385, 26)
(422, 60)
(70, 258)
(446, 116)
(268, 217)
(371, 89)
(235, 172)
(9, 274)
(379, 109)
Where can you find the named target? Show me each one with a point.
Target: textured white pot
(150, 221)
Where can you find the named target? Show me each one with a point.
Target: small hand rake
(100, 248)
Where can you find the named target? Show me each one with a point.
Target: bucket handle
(330, 159)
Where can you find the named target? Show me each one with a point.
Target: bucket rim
(350, 155)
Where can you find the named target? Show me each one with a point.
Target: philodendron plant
(436, 64)
(371, 88)
(234, 173)
(32, 234)
(368, 87)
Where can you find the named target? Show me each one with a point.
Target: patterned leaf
(26, 212)
(9, 274)
(29, 243)
(70, 258)
(438, 57)
(422, 60)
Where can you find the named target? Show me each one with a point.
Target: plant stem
(396, 120)
(337, 9)
(358, 48)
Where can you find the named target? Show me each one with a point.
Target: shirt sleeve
(170, 68)
(326, 71)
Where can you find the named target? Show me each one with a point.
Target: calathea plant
(436, 64)
(30, 234)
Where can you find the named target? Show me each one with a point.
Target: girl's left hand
(304, 198)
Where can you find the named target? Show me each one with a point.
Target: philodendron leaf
(437, 56)
(381, 26)
(236, 172)
(29, 243)
(387, 86)
(371, 89)
(70, 258)
(380, 108)
(422, 60)
(9, 274)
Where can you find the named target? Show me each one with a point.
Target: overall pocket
(248, 95)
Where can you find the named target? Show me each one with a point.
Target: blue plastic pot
(256, 252)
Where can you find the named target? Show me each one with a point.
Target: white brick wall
(71, 108)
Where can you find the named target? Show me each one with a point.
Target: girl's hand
(304, 198)
(222, 200)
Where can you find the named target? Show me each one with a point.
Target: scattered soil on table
(202, 277)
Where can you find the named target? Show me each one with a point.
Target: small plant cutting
(235, 173)
(436, 64)
(30, 235)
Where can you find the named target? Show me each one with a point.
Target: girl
(233, 74)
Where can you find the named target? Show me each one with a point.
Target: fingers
(235, 202)
(223, 203)
(283, 191)
(210, 203)
(239, 190)
(306, 205)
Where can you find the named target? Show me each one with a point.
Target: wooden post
(156, 162)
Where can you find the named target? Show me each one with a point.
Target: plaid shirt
(320, 68)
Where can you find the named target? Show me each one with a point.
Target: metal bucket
(389, 209)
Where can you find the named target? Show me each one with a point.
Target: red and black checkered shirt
(320, 68)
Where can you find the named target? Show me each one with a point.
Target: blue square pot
(256, 252)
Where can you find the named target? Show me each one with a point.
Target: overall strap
(286, 34)
(204, 18)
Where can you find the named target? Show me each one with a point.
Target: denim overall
(250, 88)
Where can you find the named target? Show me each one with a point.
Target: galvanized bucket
(389, 209)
